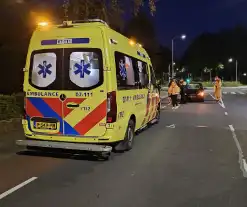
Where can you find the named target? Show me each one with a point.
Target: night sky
(195, 17)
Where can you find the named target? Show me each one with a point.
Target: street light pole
(236, 70)
(182, 37)
(169, 72)
(230, 60)
(172, 56)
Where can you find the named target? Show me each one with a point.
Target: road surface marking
(171, 126)
(3, 195)
(202, 126)
(241, 160)
(226, 113)
(240, 92)
(221, 103)
(245, 166)
(231, 128)
(212, 96)
(162, 107)
(233, 92)
(224, 92)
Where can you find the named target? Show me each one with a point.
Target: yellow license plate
(43, 125)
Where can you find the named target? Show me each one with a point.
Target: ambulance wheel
(127, 143)
(104, 156)
(129, 135)
(157, 116)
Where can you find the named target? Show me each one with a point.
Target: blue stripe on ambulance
(46, 111)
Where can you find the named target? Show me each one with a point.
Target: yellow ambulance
(87, 88)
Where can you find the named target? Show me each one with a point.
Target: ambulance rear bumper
(64, 145)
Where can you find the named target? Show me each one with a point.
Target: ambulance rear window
(44, 69)
(66, 69)
(85, 68)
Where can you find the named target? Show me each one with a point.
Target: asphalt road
(192, 158)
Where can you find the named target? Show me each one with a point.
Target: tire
(202, 100)
(129, 136)
(127, 143)
(157, 117)
(104, 156)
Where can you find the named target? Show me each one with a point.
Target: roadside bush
(211, 84)
(224, 83)
(10, 106)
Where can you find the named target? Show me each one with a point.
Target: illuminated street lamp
(182, 37)
(230, 60)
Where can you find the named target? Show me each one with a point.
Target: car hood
(192, 91)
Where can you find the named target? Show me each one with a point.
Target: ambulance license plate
(44, 125)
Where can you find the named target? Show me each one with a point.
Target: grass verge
(224, 84)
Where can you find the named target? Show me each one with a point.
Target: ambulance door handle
(72, 105)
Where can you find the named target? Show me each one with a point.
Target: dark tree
(210, 50)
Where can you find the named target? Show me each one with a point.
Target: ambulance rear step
(64, 145)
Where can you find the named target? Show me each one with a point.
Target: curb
(9, 125)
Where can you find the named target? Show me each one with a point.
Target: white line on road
(231, 128)
(240, 92)
(171, 126)
(3, 195)
(212, 96)
(233, 92)
(241, 160)
(224, 92)
(221, 103)
(162, 107)
(226, 113)
(202, 126)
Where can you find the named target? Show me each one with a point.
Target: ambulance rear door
(84, 91)
(44, 82)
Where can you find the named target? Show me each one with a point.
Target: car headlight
(201, 94)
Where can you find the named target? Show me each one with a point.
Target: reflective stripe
(92, 119)
(46, 110)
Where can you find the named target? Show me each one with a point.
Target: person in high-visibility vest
(182, 85)
(169, 95)
(174, 90)
(217, 89)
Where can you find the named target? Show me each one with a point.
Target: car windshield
(194, 86)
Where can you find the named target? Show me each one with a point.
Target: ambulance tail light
(111, 107)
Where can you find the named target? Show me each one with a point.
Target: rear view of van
(70, 90)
